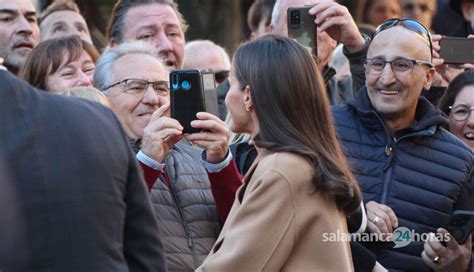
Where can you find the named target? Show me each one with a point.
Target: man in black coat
(72, 195)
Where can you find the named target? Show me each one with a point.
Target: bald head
(204, 54)
(400, 42)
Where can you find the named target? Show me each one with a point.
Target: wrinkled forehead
(398, 41)
(151, 15)
(66, 16)
(17, 5)
(141, 66)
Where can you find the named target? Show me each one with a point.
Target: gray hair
(103, 67)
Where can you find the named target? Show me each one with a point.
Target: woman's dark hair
(46, 58)
(457, 84)
(293, 111)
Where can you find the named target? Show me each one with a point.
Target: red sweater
(224, 185)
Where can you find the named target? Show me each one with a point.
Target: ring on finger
(376, 219)
(436, 259)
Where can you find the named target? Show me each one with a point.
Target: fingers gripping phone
(192, 91)
(302, 28)
(461, 225)
(455, 50)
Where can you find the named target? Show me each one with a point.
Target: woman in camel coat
(300, 188)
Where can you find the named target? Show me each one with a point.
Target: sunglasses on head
(221, 76)
(410, 24)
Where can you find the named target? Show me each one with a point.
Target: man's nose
(387, 76)
(162, 43)
(150, 96)
(24, 26)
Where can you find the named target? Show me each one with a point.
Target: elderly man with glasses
(136, 83)
(412, 171)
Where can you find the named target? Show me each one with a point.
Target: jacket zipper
(185, 223)
(389, 149)
(388, 172)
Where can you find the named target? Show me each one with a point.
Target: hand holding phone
(461, 225)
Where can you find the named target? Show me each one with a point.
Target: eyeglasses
(410, 24)
(375, 66)
(221, 76)
(460, 112)
(137, 86)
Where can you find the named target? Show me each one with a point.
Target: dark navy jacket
(423, 173)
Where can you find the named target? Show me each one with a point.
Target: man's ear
(429, 78)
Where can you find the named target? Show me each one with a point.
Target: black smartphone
(302, 28)
(461, 225)
(192, 91)
(455, 50)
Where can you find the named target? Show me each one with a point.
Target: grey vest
(187, 214)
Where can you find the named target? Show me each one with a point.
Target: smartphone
(192, 91)
(461, 225)
(455, 50)
(302, 28)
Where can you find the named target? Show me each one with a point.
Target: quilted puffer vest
(186, 214)
(419, 172)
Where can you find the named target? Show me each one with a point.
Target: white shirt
(210, 167)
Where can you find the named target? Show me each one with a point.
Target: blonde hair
(88, 93)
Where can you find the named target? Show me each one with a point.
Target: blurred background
(225, 21)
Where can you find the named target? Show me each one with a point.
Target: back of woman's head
(48, 56)
(455, 86)
(293, 111)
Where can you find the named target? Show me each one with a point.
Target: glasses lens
(461, 112)
(221, 76)
(375, 65)
(161, 88)
(136, 86)
(401, 65)
(416, 27)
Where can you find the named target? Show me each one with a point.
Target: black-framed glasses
(410, 24)
(399, 65)
(138, 86)
(221, 76)
(460, 112)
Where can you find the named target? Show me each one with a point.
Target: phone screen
(456, 50)
(187, 97)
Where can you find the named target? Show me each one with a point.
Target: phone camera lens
(174, 81)
(185, 85)
(295, 17)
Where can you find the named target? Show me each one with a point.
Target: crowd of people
(372, 135)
